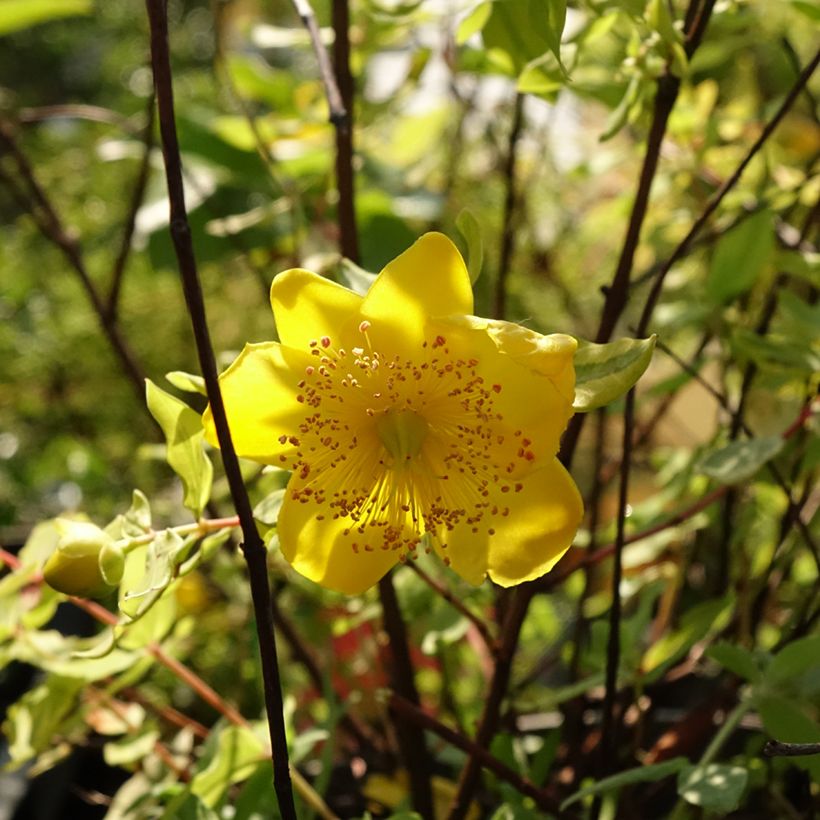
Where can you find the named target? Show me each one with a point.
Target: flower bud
(87, 561)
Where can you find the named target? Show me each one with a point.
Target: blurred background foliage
(537, 125)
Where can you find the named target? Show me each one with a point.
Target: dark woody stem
(252, 547)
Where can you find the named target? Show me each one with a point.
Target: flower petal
(528, 541)
(260, 394)
(322, 550)
(527, 399)
(428, 279)
(549, 355)
(307, 306)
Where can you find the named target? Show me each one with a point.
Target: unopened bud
(87, 561)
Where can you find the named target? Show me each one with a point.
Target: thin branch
(510, 203)
(717, 197)
(617, 294)
(187, 676)
(609, 727)
(37, 204)
(345, 181)
(252, 547)
(457, 604)
(74, 111)
(410, 734)
(338, 109)
(487, 727)
(137, 197)
(526, 787)
(777, 748)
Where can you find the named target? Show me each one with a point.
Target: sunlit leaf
(185, 437)
(235, 757)
(20, 14)
(603, 373)
(187, 382)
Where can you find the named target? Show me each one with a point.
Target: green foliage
(20, 14)
(185, 437)
(720, 566)
(605, 372)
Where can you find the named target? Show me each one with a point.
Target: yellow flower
(408, 424)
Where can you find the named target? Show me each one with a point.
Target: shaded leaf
(471, 231)
(717, 787)
(641, 774)
(736, 659)
(740, 257)
(794, 660)
(358, 279)
(740, 460)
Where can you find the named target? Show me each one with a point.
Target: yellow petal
(528, 400)
(321, 550)
(549, 355)
(260, 394)
(307, 306)
(428, 279)
(541, 521)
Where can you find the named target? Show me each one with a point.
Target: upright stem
(468, 782)
(253, 548)
(510, 200)
(402, 678)
(348, 239)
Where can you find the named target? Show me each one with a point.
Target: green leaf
(524, 29)
(471, 231)
(717, 787)
(131, 748)
(473, 22)
(267, 510)
(808, 7)
(740, 460)
(184, 435)
(162, 557)
(700, 621)
(542, 76)
(787, 721)
(740, 257)
(19, 14)
(794, 660)
(641, 774)
(775, 352)
(236, 756)
(187, 382)
(736, 659)
(605, 372)
(358, 279)
(624, 110)
(33, 720)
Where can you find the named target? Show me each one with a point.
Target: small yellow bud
(87, 561)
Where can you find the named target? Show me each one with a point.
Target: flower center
(402, 433)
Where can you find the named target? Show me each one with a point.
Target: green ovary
(402, 434)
